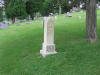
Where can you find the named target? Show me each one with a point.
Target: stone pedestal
(48, 47)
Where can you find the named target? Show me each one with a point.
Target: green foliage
(16, 8)
(66, 6)
(33, 6)
(20, 8)
(1, 14)
(48, 7)
(52, 6)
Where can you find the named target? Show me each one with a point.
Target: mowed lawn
(20, 49)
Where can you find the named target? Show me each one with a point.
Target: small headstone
(37, 20)
(76, 9)
(80, 17)
(24, 20)
(99, 7)
(3, 25)
(48, 46)
(17, 24)
(68, 14)
(51, 14)
(73, 11)
(27, 22)
(55, 17)
(56, 13)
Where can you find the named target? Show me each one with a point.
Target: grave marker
(48, 47)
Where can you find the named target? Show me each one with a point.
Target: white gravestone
(55, 17)
(80, 17)
(48, 46)
(68, 14)
(3, 25)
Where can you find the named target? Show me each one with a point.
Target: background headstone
(68, 14)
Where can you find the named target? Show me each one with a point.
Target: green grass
(20, 49)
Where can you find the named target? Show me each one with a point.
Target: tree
(56, 6)
(6, 2)
(1, 14)
(60, 4)
(91, 30)
(16, 8)
(33, 6)
(48, 7)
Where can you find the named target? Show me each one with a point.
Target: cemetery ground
(20, 49)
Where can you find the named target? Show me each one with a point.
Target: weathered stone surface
(48, 46)
(68, 14)
(3, 25)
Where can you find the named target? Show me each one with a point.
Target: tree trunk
(13, 20)
(91, 21)
(60, 9)
(32, 16)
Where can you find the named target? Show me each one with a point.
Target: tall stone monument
(48, 46)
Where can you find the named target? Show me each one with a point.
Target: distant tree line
(24, 8)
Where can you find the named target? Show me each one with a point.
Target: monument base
(47, 49)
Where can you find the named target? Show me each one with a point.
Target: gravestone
(80, 17)
(68, 14)
(48, 46)
(27, 22)
(99, 7)
(55, 17)
(3, 25)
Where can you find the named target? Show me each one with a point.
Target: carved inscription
(50, 26)
(50, 48)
